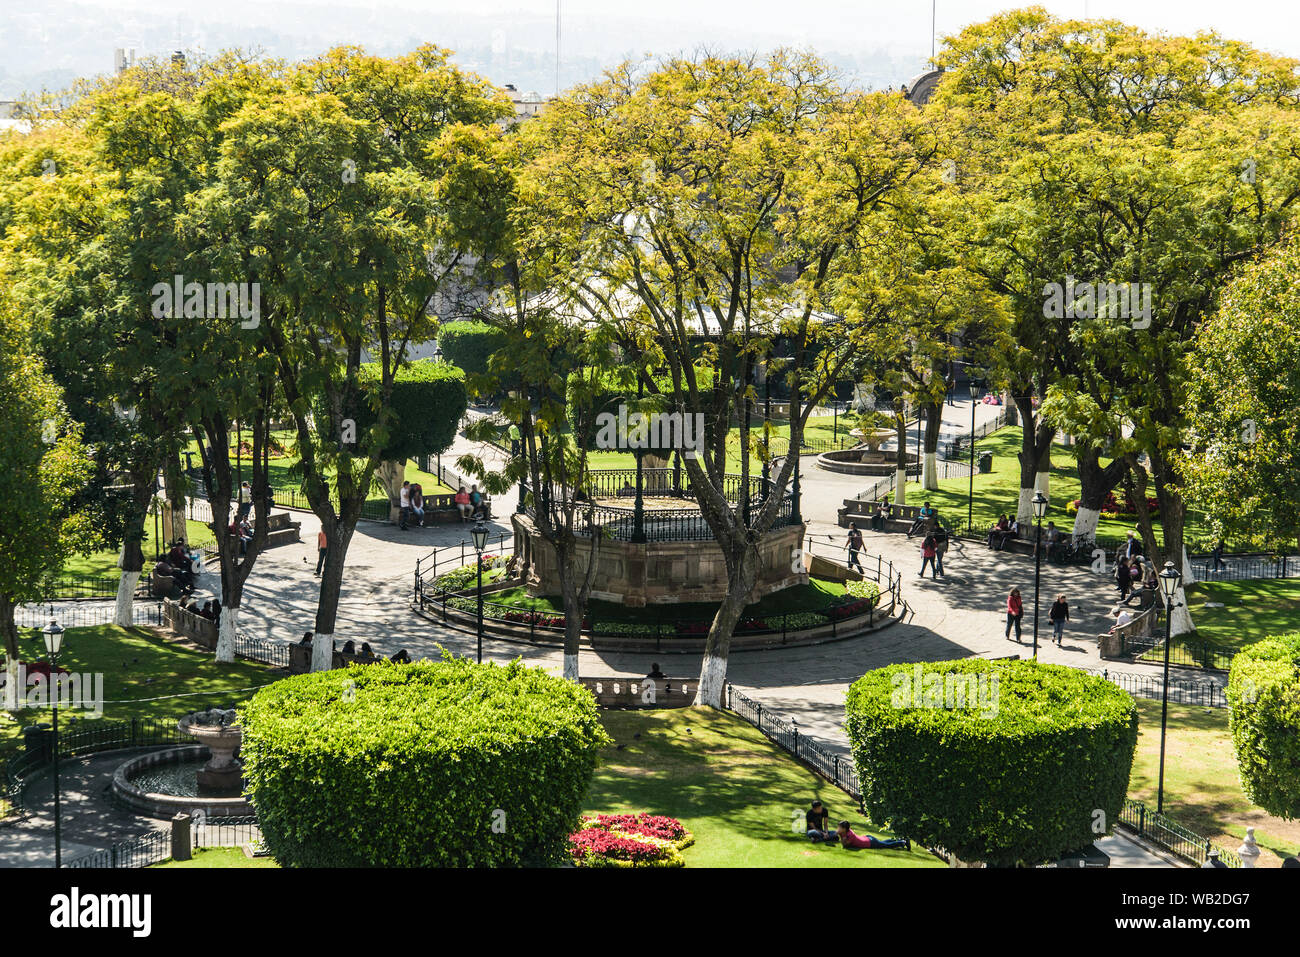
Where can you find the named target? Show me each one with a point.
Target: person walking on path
(940, 549)
(855, 546)
(322, 549)
(1059, 614)
(1015, 612)
(927, 556)
(1123, 579)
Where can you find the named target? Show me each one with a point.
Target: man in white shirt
(406, 504)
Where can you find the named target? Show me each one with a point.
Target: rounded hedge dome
(433, 764)
(1006, 762)
(1264, 697)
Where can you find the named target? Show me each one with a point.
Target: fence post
(794, 722)
(182, 837)
(1142, 820)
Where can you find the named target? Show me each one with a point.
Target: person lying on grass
(855, 842)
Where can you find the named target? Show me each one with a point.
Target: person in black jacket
(1059, 614)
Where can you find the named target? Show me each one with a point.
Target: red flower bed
(602, 843)
(651, 825)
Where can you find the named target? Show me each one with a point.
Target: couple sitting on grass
(819, 832)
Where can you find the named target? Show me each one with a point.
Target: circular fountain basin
(165, 783)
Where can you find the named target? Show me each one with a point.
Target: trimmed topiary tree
(433, 764)
(470, 344)
(1264, 698)
(1006, 762)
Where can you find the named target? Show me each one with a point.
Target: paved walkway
(955, 617)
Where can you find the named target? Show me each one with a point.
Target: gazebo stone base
(637, 574)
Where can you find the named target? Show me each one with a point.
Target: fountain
(205, 776)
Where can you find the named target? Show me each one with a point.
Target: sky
(47, 42)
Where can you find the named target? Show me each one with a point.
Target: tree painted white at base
(570, 667)
(1025, 506)
(713, 682)
(226, 633)
(322, 652)
(1042, 481)
(12, 684)
(1085, 522)
(1180, 622)
(1189, 573)
(125, 597)
(900, 487)
(930, 472)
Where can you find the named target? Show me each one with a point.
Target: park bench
(202, 631)
(441, 509)
(1115, 643)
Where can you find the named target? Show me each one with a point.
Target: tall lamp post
(53, 645)
(1169, 579)
(975, 393)
(1040, 509)
(480, 536)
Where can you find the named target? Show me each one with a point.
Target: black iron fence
(1194, 691)
(785, 732)
(208, 831)
(1168, 833)
(1184, 651)
(84, 615)
(151, 848)
(91, 586)
(1243, 567)
(265, 651)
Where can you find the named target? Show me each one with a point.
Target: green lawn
(998, 492)
(814, 596)
(1251, 610)
(732, 788)
(220, 857)
(137, 664)
(103, 564)
(1202, 788)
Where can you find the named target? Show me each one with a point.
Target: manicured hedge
(411, 765)
(1264, 697)
(610, 393)
(1017, 778)
(469, 345)
(429, 400)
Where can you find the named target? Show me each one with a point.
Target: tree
(1242, 466)
(328, 182)
(42, 466)
(714, 198)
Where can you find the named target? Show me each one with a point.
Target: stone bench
(281, 530)
(1111, 644)
(202, 631)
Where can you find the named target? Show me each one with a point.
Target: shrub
(429, 401)
(1017, 778)
(1264, 698)
(469, 345)
(862, 589)
(433, 764)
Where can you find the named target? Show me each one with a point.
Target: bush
(1019, 777)
(1264, 698)
(469, 345)
(433, 764)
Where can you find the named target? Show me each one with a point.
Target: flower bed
(630, 840)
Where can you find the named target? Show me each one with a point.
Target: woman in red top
(1015, 611)
(927, 556)
(861, 842)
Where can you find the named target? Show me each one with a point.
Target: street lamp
(1169, 579)
(1040, 509)
(975, 393)
(53, 645)
(480, 535)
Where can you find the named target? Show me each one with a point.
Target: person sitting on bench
(999, 533)
(924, 519)
(861, 842)
(878, 518)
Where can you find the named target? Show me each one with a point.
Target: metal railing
(151, 848)
(1243, 567)
(1198, 692)
(65, 587)
(1183, 651)
(80, 615)
(208, 831)
(434, 597)
(262, 650)
(785, 732)
(1168, 833)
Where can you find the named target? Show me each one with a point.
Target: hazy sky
(46, 43)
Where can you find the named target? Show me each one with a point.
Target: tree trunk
(131, 557)
(573, 612)
(226, 631)
(900, 462)
(124, 604)
(713, 670)
(391, 475)
(1035, 455)
(1096, 483)
(331, 586)
(933, 426)
(10, 630)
